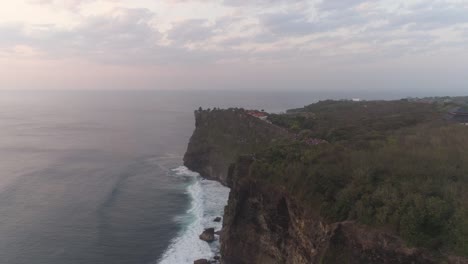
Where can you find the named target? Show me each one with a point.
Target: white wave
(184, 171)
(208, 201)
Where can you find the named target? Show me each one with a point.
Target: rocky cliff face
(220, 136)
(263, 223)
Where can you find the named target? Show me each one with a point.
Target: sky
(405, 45)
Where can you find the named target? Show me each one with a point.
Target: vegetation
(337, 121)
(393, 165)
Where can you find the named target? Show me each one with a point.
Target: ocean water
(97, 177)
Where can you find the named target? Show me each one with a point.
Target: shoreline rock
(208, 235)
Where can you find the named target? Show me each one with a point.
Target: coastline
(266, 221)
(208, 199)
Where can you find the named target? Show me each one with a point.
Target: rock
(263, 222)
(217, 219)
(217, 258)
(201, 261)
(212, 158)
(208, 235)
(219, 232)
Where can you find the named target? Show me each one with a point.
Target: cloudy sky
(413, 45)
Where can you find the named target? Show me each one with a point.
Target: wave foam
(184, 171)
(208, 199)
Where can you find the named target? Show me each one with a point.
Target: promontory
(339, 181)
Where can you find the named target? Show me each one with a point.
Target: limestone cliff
(263, 221)
(264, 224)
(220, 136)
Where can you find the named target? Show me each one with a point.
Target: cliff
(265, 224)
(306, 204)
(220, 136)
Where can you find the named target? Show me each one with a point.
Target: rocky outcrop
(263, 223)
(208, 235)
(220, 136)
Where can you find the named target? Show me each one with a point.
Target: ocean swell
(208, 199)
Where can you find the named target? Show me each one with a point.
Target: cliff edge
(266, 224)
(299, 203)
(220, 136)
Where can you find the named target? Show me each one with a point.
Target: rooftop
(459, 111)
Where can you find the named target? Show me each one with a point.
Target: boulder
(201, 261)
(217, 219)
(208, 235)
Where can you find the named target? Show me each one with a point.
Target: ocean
(97, 176)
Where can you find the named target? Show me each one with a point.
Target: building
(459, 115)
(260, 115)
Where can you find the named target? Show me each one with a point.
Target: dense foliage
(337, 121)
(409, 173)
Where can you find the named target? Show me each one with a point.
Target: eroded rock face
(208, 235)
(263, 224)
(220, 136)
(357, 244)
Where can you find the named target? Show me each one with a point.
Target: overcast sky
(235, 44)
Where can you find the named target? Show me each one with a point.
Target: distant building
(260, 115)
(356, 99)
(459, 115)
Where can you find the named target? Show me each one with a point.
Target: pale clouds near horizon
(234, 44)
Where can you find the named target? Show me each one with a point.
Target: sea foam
(208, 199)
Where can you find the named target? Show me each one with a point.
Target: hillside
(384, 184)
(220, 136)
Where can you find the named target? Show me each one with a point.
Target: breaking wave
(208, 199)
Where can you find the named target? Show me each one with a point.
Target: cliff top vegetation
(396, 165)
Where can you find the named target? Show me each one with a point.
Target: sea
(97, 177)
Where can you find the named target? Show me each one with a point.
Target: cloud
(275, 32)
(288, 23)
(191, 30)
(122, 33)
(73, 5)
(298, 22)
(241, 3)
(259, 2)
(330, 5)
(429, 16)
(12, 34)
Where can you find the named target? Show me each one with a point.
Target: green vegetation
(393, 165)
(337, 121)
